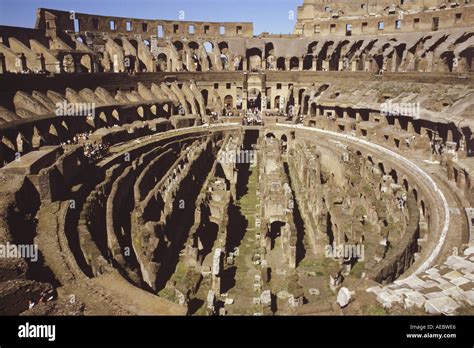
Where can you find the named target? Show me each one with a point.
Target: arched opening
(228, 102)
(68, 63)
(294, 63)
(141, 112)
(205, 96)
(415, 193)
(225, 61)
(300, 96)
(193, 45)
(254, 58)
(254, 99)
(305, 104)
(284, 142)
(381, 167)
(178, 45)
(208, 47)
(278, 101)
(394, 175)
(405, 185)
(308, 62)
(281, 63)
(162, 62)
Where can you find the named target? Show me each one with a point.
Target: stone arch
(208, 46)
(312, 111)
(254, 58)
(69, 63)
(277, 102)
(254, 98)
(281, 65)
(406, 186)
(86, 62)
(178, 45)
(300, 95)
(308, 62)
(141, 112)
(205, 96)
(294, 63)
(162, 62)
(415, 194)
(381, 167)
(193, 45)
(394, 175)
(229, 102)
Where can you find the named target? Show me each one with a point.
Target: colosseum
(162, 167)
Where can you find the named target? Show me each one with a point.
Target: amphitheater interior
(195, 168)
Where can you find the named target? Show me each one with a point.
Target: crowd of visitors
(93, 151)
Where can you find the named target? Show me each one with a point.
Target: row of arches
(53, 131)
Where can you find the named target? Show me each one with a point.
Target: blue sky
(267, 15)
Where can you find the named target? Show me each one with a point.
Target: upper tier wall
(64, 21)
(381, 22)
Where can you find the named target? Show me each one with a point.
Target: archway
(162, 62)
(281, 63)
(294, 63)
(228, 102)
(254, 99)
(254, 58)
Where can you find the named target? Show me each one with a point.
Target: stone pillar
(245, 64)
(153, 65)
(245, 99)
(20, 62)
(326, 65)
(287, 64)
(3, 67)
(397, 123)
(354, 64)
(41, 61)
(314, 65)
(410, 127)
(301, 61)
(340, 66)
